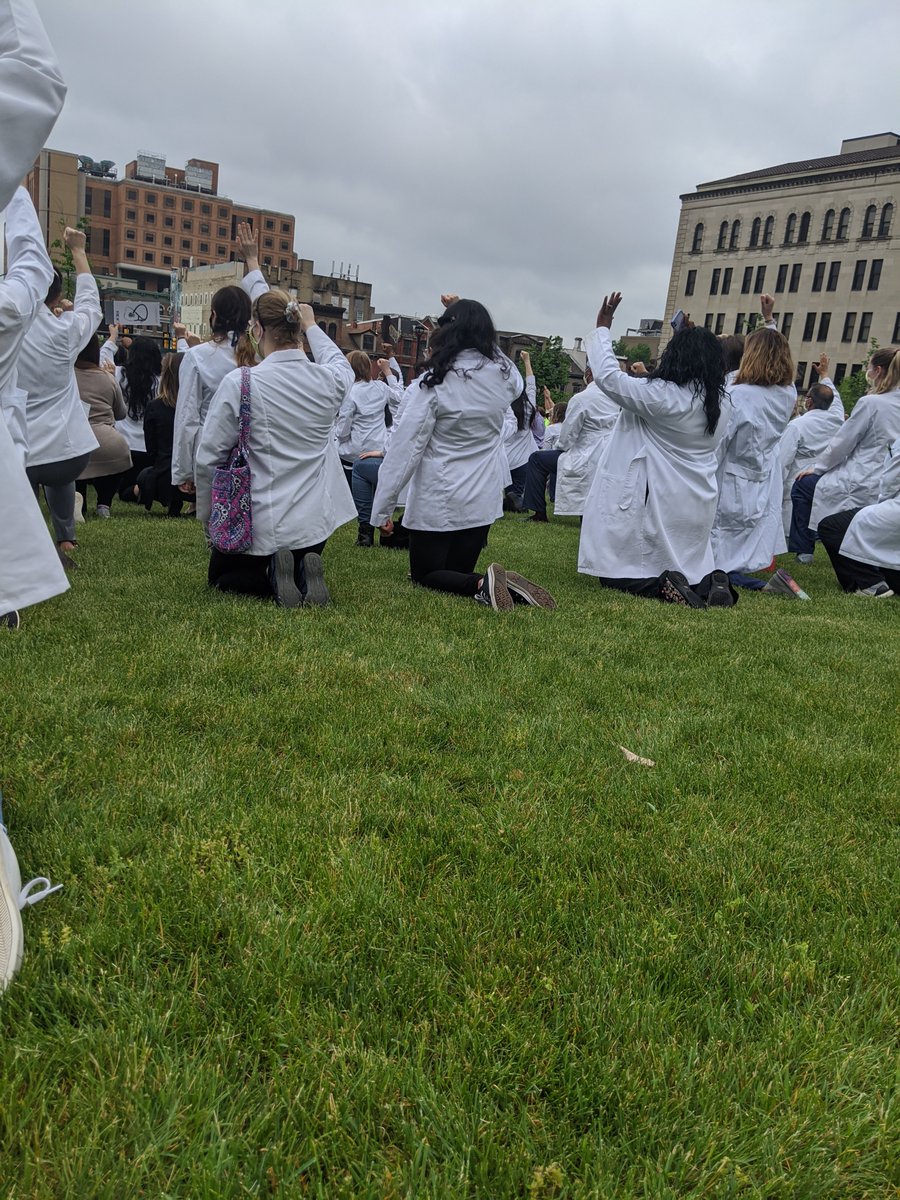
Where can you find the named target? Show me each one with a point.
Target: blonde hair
(279, 315)
(168, 379)
(889, 362)
(244, 354)
(766, 360)
(361, 364)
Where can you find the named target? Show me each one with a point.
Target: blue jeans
(541, 477)
(801, 539)
(362, 485)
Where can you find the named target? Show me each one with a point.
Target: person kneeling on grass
(299, 493)
(649, 513)
(448, 446)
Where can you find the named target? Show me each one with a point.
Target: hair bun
(292, 312)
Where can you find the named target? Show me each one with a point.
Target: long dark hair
(141, 375)
(230, 313)
(694, 358)
(465, 325)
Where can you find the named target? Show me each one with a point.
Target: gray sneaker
(313, 571)
(523, 591)
(281, 577)
(494, 591)
(878, 591)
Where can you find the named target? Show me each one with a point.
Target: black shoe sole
(719, 591)
(287, 594)
(316, 591)
(672, 591)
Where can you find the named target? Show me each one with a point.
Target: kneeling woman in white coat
(448, 445)
(650, 510)
(298, 491)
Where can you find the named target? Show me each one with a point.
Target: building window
(148, 256)
(803, 236)
(204, 227)
(285, 227)
(169, 222)
(739, 322)
(270, 224)
(849, 323)
(752, 321)
(150, 197)
(268, 243)
(105, 249)
(206, 209)
(780, 278)
(697, 244)
(204, 247)
(185, 243)
(129, 253)
(824, 322)
(796, 272)
(88, 201)
(130, 214)
(187, 225)
(828, 226)
(844, 225)
(834, 272)
(869, 221)
(368, 342)
(708, 321)
(149, 218)
(789, 229)
(768, 232)
(839, 372)
(167, 241)
(150, 237)
(285, 245)
(222, 232)
(284, 263)
(714, 283)
(884, 225)
(818, 277)
(221, 251)
(747, 281)
(875, 274)
(187, 206)
(691, 281)
(726, 283)
(755, 230)
(865, 327)
(720, 323)
(895, 337)
(859, 275)
(131, 194)
(801, 374)
(168, 201)
(809, 327)
(332, 330)
(223, 213)
(786, 322)
(760, 282)
(267, 261)
(735, 240)
(723, 236)
(130, 235)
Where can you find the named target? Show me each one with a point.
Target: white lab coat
(873, 536)
(58, 427)
(804, 439)
(448, 445)
(202, 370)
(551, 436)
(590, 419)
(653, 499)
(747, 531)
(853, 460)
(360, 424)
(298, 490)
(519, 444)
(30, 570)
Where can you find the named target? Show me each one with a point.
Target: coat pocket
(634, 485)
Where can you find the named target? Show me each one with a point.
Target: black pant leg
(648, 588)
(851, 574)
(246, 574)
(444, 561)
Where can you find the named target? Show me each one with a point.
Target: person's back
(364, 428)
(853, 460)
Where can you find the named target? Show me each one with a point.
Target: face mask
(254, 343)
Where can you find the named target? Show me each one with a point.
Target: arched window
(332, 330)
(754, 232)
(869, 221)
(723, 236)
(697, 244)
(884, 225)
(768, 232)
(735, 241)
(828, 225)
(803, 236)
(844, 225)
(790, 229)
(322, 326)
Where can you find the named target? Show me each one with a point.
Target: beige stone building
(820, 235)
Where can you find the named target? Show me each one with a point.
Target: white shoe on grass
(13, 898)
(878, 591)
(79, 508)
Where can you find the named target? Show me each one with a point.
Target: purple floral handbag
(230, 526)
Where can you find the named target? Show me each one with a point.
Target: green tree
(639, 353)
(61, 257)
(852, 387)
(551, 368)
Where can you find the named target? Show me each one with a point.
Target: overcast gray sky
(526, 153)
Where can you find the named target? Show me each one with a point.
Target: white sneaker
(79, 508)
(103, 511)
(13, 898)
(805, 559)
(880, 591)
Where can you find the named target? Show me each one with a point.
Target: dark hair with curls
(230, 313)
(465, 325)
(89, 354)
(694, 358)
(141, 375)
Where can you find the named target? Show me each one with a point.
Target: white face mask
(870, 376)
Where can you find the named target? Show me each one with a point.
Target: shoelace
(27, 897)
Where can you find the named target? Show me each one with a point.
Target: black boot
(398, 540)
(366, 535)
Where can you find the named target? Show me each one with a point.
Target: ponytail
(889, 363)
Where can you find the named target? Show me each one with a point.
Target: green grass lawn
(367, 901)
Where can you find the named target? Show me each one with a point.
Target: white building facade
(820, 235)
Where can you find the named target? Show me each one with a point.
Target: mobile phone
(677, 321)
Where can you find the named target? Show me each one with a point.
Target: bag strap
(244, 431)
